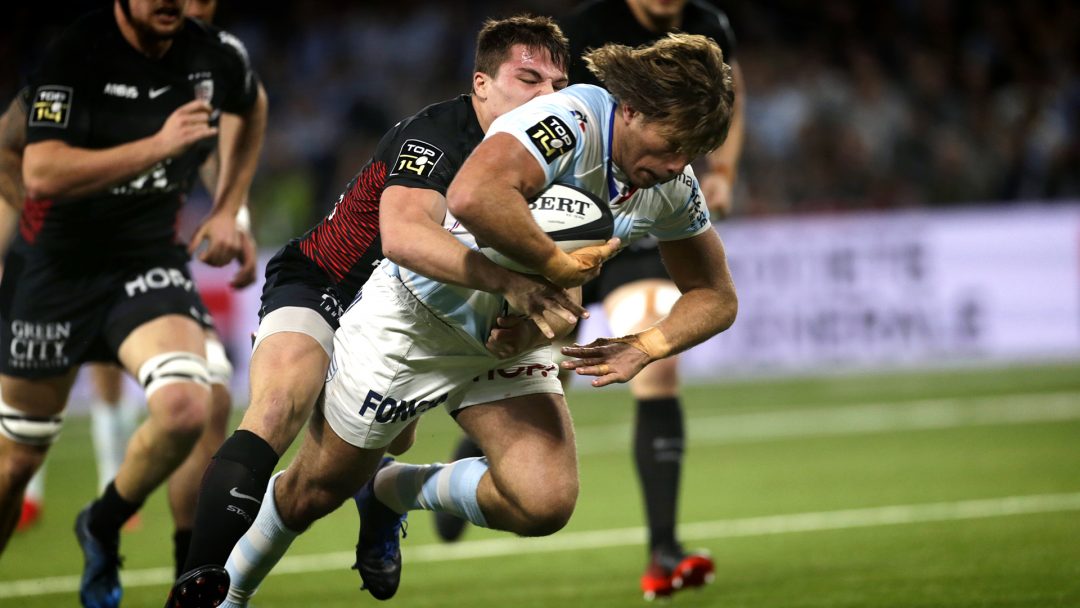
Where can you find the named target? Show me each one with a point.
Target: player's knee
(548, 512)
(184, 410)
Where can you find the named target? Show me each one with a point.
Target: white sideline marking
(724, 528)
(855, 419)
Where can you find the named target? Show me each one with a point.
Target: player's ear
(627, 111)
(480, 83)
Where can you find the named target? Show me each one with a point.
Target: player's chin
(166, 25)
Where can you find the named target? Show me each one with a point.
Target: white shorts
(394, 360)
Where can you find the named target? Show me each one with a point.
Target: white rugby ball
(572, 217)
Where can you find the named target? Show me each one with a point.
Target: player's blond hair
(498, 36)
(680, 82)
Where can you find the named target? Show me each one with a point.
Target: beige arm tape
(652, 342)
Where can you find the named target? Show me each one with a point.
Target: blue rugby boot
(100, 585)
(378, 549)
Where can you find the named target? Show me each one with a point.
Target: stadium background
(906, 242)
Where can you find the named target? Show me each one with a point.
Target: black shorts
(292, 279)
(61, 310)
(637, 262)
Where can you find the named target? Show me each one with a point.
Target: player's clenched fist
(186, 125)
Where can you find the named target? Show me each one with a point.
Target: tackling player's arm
(54, 168)
(718, 185)
(238, 156)
(488, 196)
(410, 226)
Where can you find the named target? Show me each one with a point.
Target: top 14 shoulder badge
(552, 138)
(417, 158)
(52, 106)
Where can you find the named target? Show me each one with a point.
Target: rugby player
(113, 416)
(123, 111)
(636, 291)
(311, 279)
(416, 338)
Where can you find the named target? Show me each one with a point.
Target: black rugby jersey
(423, 151)
(600, 22)
(94, 90)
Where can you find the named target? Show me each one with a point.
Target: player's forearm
(498, 216)
(53, 169)
(488, 197)
(425, 247)
(239, 145)
(696, 316)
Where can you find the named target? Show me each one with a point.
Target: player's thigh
(37, 396)
(165, 334)
(528, 440)
(287, 373)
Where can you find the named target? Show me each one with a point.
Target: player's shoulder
(448, 121)
(216, 40)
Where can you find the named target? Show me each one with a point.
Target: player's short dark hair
(680, 82)
(496, 38)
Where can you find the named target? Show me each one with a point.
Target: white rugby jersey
(569, 135)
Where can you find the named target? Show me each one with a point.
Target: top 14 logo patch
(552, 138)
(417, 158)
(52, 106)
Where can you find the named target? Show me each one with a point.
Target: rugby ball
(572, 217)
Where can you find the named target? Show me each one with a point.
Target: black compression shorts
(294, 280)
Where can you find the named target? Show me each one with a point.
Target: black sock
(232, 490)
(658, 451)
(110, 513)
(181, 543)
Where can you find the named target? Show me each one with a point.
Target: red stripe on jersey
(344, 236)
(33, 218)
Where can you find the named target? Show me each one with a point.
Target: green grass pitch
(907, 489)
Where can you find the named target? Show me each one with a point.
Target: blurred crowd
(850, 104)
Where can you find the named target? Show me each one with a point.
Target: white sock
(111, 428)
(257, 551)
(445, 488)
(35, 490)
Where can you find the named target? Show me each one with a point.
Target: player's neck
(153, 48)
(653, 23)
(483, 116)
